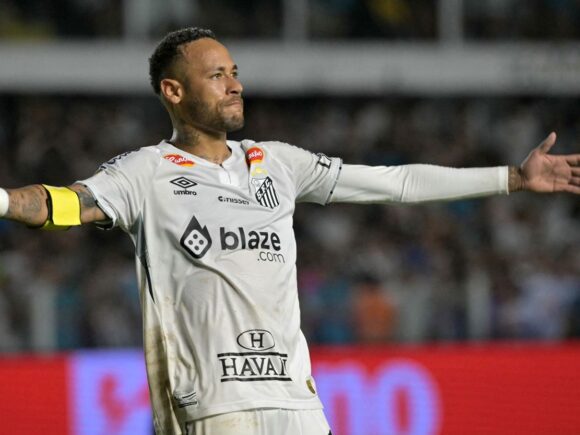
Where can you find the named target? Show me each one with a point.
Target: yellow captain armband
(64, 208)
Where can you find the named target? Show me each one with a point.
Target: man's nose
(234, 86)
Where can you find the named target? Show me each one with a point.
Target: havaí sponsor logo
(261, 363)
(256, 339)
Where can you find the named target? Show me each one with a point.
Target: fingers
(571, 189)
(548, 143)
(575, 181)
(571, 186)
(573, 160)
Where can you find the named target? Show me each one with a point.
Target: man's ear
(171, 90)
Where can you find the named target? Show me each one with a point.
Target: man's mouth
(237, 101)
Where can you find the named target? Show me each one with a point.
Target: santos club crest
(262, 184)
(265, 192)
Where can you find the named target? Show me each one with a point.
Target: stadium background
(443, 318)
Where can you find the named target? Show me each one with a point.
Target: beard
(219, 117)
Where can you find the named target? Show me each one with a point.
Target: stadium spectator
(482, 230)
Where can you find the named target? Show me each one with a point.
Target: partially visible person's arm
(29, 205)
(540, 172)
(416, 183)
(26, 205)
(547, 173)
(90, 211)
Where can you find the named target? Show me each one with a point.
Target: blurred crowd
(390, 19)
(497, 268)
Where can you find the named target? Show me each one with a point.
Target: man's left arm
(540, 172)
(546, 173)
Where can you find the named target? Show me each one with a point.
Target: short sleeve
(314, 175)
(120, 185)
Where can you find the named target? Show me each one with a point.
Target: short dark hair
(168, 49)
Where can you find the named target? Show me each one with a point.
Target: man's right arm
(90, 211)
(28, 205)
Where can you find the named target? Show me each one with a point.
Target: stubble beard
(215, 118)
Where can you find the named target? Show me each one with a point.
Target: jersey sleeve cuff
(504, 179)
(103, 205)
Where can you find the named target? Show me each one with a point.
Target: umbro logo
(184, 183)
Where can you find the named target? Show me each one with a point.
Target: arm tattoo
(87, 200)
(28, 205)
(90, 211)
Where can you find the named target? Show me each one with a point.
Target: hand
(543, 172)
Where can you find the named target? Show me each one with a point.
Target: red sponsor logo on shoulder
(254, 155)
(178, 160)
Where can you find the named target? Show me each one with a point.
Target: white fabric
(4, 202)
(216, 259)
(417, 183)
(216, 254)
(262, 422)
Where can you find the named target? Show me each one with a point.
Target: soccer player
(211, 220)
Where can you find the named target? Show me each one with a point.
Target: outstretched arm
(540, 172)
(543, 172)
(28, 205)
(90, 211)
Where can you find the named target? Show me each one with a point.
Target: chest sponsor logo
(179, 160)
(265, 192)
(260, 363)
(185, 184)
(196, 240)
(233, 200)
(254, 155)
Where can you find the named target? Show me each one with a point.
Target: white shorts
(262, 422)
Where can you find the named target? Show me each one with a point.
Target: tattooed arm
(28, 205)
(90, 211)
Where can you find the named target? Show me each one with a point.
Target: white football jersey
(216, 263)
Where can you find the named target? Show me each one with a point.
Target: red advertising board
(452, 389)
(33, 395)
(487, 389)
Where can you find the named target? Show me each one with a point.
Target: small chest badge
(261, 183)
(178, 160)
(265, 192)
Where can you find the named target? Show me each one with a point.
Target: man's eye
(217, 76)
(235, 74)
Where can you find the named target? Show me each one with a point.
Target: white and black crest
(265, 193)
